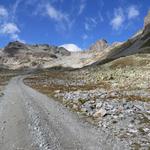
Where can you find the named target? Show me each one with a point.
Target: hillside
(18, 55)
(113, 94)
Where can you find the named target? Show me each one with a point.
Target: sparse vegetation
(129, 73)
(105, 95)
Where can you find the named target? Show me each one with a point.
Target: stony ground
(30, 120)
(114, 96)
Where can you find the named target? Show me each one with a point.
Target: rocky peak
(16, 44)
(99, 45)
(147, 19)
(13, 47)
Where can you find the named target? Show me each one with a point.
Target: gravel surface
(32, 121)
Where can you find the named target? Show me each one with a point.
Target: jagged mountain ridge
(19, 55)
(100, 45)
(13, 47)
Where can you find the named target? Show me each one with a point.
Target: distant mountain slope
(100, 45)
(139, 43)
(19, 55)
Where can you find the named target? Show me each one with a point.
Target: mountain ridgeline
(18, 55)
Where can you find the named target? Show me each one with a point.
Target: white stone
(99, 105)
(146, 129)
(100, 113)
(75, 107)
(132, 131)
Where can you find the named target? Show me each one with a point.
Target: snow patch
(71, 47)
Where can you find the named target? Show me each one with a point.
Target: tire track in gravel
(30, 120)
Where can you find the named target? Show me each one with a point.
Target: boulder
(100, 113)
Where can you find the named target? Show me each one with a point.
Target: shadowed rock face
(13, 47)
(19, 55)
(99, 45)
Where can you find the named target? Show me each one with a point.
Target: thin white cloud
(118, 19)
(3, 12)
(85, 36)
(90, 23)
(93, 20)
(15, 8)
(10, 29)
(124, 16)
(100, 17)
(82, 6)
(87, 27)
(133, 12)
(55, 14)
(71, 47)
(60, 19)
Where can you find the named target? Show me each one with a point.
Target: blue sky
(81, 22)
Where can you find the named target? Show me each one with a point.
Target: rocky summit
(14, 47)
(100, 45)
(18, 55)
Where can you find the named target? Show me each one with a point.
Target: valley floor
(115, 96)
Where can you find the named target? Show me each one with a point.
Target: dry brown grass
(35, 82)
(130, 61)
(128, 78)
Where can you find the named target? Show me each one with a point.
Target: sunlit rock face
(99, 45)
(147, 19)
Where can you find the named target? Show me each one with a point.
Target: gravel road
(30, 120)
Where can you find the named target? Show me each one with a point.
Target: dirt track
(32, 121)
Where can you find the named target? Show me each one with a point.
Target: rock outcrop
(147, 19)
(99, 45)
(14, 47)
(139, 43)
(19, 55)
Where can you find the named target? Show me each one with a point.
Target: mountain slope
(139, 43)
(18, 55)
